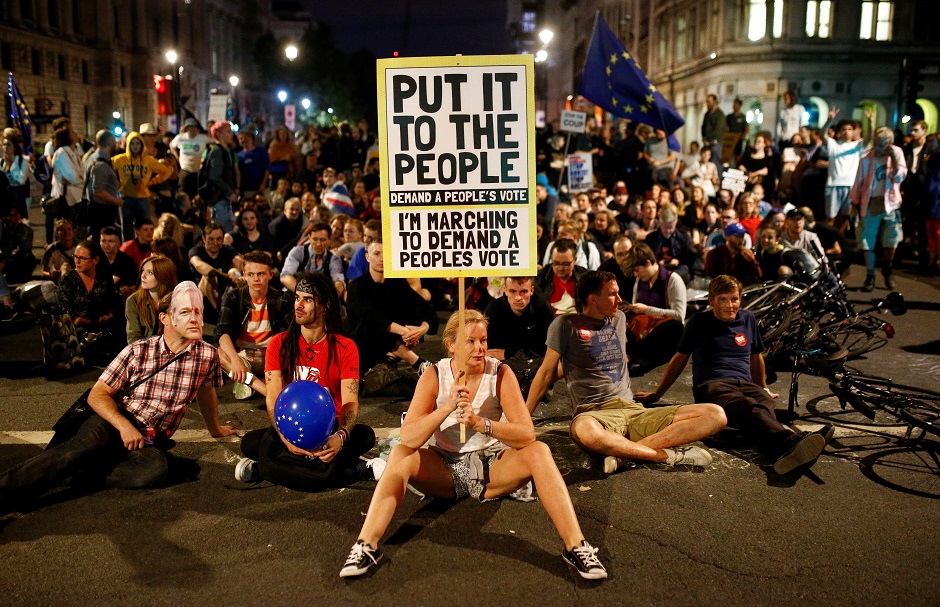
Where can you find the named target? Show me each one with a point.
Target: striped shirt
(160, 402)
(256, 333)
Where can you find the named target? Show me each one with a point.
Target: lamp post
(172, 57)
(233, 80)
(290, 51)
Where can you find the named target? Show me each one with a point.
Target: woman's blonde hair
(169, 226)
(470, 317)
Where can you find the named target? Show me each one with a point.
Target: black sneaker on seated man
(584, 559)
(804, 450)
(361, 558)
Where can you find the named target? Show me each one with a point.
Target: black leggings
(278, 465)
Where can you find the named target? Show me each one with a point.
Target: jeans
(134, 210)
(222, 215)
(95, 452)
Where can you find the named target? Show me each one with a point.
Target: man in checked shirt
(125, 441)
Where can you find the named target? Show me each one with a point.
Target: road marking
(42, 437)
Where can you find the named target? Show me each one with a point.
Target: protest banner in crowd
(580, 172)
(457, 165)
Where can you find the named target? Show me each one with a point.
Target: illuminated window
(818, 17)
(877, 16)
(682, 49)
(757, 20)
(778, 18)
(528, 22)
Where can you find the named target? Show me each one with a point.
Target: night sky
(435, 27)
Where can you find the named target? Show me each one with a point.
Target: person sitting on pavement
(116, 263)
(591, 347)
(728, 369)
(312, 349)
(138, 247)
(587, 255)
(673, 248)
(621, 247)
(250, 316)
(733, 258)
(557, 280)
(500, 454)
(141, 310)
(125, 441)
(249, 235)
(218, 265)
(57, 258)
(656, 314)
(796, 236)
(832, 240)
(89, 296)
(358, 265)
(315, 257)
(285, 229)
(17, 261)
(387, 318)
(717, 236)
(518, 320)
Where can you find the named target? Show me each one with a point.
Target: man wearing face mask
(876, 197)
(124, 441)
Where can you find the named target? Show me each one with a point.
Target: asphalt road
(859, 528)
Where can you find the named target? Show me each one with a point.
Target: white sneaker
(613, 463)
(246, 471)
(424, 367)
(377, 465)
(687, 455)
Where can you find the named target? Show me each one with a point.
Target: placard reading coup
(457, 165)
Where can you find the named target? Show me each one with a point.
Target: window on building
(76, 17)
(926, 28)
(529, 22)
(63, 71)
(877, 16)
(778, 18)
(26, 9)
(36, 57)
(6, 56)
(682, 47)
(757, 20)
(818, 17)
(662, 41)
(54, 14)
(123, 76)
(117, 23)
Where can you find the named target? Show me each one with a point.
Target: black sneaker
(584, 559)
(804, 450)
(827, 432)
(869, 285)
(361, 558)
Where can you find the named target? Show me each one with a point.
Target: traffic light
(164, 88)
(915, 84)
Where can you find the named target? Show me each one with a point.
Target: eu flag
(20, 115)
(613, 80)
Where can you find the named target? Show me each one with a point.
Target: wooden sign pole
(462, 342)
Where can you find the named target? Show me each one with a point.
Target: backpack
(208, 191)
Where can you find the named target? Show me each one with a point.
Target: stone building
(849, 53)
(92, 59)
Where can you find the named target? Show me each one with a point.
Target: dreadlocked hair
(329, 310)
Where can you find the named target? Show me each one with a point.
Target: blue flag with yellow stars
(20, 115)
(612, 79)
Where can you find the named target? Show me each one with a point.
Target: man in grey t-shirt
(590, 347)
(661, 159)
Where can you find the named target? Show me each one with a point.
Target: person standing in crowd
(661, 160)
(876, 196)
(789, 120)
(499, 456)
(15, 164)
(760, 166)
(221, 191)
(844, 152)
(713, 128)
(127, 438)
(914, 215)
(157, 278)
(189, 147)
(104, 186)
(254, 166)
(311, 349)
(137, 171)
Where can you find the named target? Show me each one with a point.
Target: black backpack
(208, 191)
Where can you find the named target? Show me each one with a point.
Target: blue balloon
(304, 414)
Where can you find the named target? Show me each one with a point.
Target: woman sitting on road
(499, 457)
(157, 278)
(86, 295)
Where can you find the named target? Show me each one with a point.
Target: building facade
(95, 60)
(852, 54)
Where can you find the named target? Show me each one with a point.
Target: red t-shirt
(312, 363)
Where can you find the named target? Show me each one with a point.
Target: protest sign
(580, 172)
(573, 122)
(457, 165)
(734, 180)
(218, 107)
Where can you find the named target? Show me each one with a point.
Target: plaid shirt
(160, 402)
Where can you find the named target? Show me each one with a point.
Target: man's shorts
(253, 360)
(888, 223)
(837, 201)
(630, 419)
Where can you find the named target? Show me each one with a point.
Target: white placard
(580, 172)
(457, 165)
(290, 117)
(573, 122)
(734, 180)
(218, 107)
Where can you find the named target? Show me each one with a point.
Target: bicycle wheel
(773, 322)
(859, 336)
(914, 406)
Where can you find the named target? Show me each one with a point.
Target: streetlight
(541, 55)
(233, 80)
(305, 103)
(282, 96)
(172, 57)
(115, 114)
(546, 36)
(290, 52)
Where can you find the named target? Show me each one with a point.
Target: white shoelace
(588, 555)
